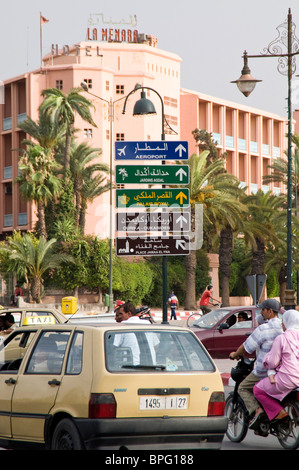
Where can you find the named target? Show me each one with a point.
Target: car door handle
(54, 382)
(10, 381)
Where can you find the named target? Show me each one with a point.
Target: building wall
(251, 138)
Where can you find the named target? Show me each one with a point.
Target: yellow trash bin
(69, 305)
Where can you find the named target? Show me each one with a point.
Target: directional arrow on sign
(180, 148)
(181, 173)
(181, 196)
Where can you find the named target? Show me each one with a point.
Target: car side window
(48, 354)
(74, 361)
(13, 350)
(244, 320)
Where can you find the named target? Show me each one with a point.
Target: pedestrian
(206, 299)
(260, 342)
(174, 303)
(283, 358)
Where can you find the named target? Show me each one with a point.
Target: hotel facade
(111, 69)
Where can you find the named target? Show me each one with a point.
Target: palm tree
(93, 186)
(37, 180)
(45, 132)
(262, 208)
(62, 109)
(82, 169)
(209, 185)
(31, 257)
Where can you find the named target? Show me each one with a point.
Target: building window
(170, 102)
(59, 84)
(88, 82)
(107, 134)
(107, 85)
(172, 120)
(88, 133)
(120, 89)
(120, 136)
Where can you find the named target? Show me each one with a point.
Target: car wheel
(66, 436)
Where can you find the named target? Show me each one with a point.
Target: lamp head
(143, 106)
(246, 83)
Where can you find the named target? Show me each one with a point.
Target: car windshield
(155, 350)
(211, 319)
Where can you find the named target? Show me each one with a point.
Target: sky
(209, 36)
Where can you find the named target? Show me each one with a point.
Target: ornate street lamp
(144, 107)
(246, 84)
(111, 235)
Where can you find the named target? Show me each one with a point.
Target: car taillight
(102, 405)
(216, 404)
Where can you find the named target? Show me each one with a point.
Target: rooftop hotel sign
(109, 29)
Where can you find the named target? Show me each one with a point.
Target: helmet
(242, 369)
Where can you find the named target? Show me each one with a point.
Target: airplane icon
(122, 151)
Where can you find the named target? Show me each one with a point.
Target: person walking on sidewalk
(174, 303)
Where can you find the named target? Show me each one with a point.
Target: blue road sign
(151, 150)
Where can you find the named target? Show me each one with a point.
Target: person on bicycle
(206, 299)
(260, 341)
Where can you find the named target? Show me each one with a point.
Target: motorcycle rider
(260, 341)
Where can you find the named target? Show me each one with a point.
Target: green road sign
(152, 174)
(152, 197)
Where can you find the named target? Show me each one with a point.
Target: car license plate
(163, 403)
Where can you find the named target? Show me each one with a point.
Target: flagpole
(40, 39)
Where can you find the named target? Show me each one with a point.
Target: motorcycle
(144, 313)
(286, 431)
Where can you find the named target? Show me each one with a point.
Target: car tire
(66, 436)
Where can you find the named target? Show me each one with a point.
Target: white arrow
(180, 148)
(181, 172)
(181, 220)
(180, 244)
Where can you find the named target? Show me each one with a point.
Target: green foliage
(91, 265)
(31, 257)
(132, 280)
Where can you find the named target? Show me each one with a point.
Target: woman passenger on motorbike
(284, 358)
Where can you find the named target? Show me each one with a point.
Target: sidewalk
(224, 366)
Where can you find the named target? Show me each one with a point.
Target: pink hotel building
(251, 137)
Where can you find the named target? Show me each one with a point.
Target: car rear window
(155, 350)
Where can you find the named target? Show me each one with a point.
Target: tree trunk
(35, 290)
(42, 220)
(225, 260)
(67, 155)
(258, 258)
(190, 265)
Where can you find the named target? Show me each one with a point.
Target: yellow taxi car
(30, 315)
(109, 387)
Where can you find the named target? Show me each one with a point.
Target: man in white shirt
(127, 314)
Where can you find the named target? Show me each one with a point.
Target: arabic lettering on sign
(107, 30)
(154, 150)
(153, 221)
(158, 197)
(152, 174)
(141, 246)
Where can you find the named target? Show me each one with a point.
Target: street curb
(225, 378)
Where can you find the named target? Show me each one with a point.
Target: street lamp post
(111, 120)
(246, 83)
(145, 107)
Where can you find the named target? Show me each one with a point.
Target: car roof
(102, 326)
